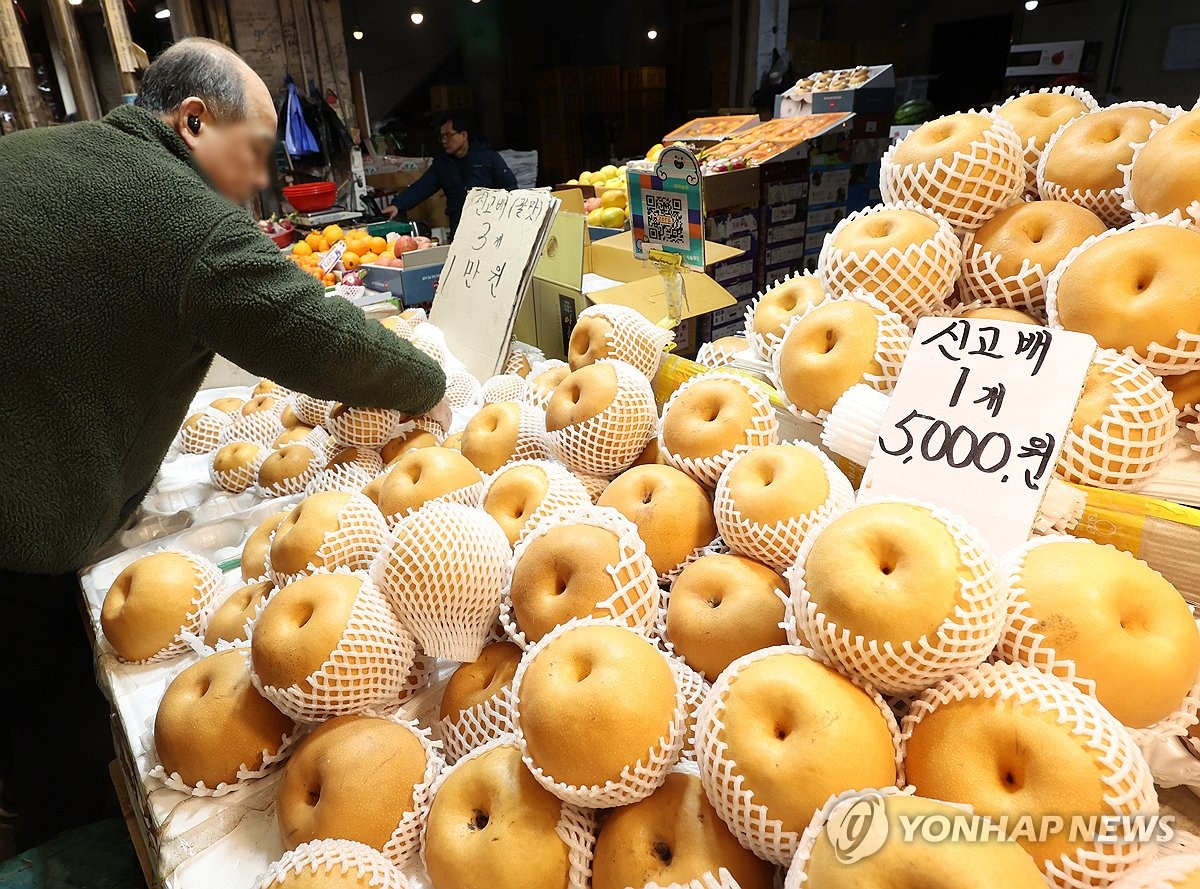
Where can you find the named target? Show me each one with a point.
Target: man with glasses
(460, 167)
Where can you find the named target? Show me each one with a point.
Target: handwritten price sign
(488, 270)
(977, 420)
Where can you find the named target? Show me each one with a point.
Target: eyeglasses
(446, 137)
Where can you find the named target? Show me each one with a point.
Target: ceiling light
(357, 34)
(652, 34)
(417, 17)
(75, 2)
(1031, 5)
(163, 13)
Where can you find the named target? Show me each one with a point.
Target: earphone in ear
(193, 124)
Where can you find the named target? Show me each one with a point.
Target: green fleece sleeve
(248, 302)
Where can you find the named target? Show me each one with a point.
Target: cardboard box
(734, 270)
(876, 96)
(822, 220)
(743, 289)
(416, 283)
(788, 254)
(828, 186)
(786, 192)
(781, 140)
(784, 213)
(721, 226)
(572, 272)
(711, 129)
(736, 188)
(785, 233)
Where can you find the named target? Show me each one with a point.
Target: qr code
(666, 219)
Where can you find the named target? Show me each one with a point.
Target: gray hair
(196, 66)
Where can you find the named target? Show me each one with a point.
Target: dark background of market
(583, 84)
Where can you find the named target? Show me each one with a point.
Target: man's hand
(390, 211)
(443, 414)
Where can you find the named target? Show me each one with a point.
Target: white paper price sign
(977, 421)
(488, 269)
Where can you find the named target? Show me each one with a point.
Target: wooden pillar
(183, 19)
(22, 86)
(216, 14)
(122, 44)
(79, 73)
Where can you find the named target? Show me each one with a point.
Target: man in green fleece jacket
(129, 264)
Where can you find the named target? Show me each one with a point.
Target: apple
(404, 244)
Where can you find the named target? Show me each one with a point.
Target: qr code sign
(666, 219)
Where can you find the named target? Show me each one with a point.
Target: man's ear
(190, 120)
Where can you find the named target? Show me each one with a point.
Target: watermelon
(914, 112)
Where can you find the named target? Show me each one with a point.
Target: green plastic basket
(383, 229)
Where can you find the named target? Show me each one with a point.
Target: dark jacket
(125, 272)
(481, 168)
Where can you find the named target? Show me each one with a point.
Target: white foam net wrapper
(1177, 357)
(983, 283)
(634, 603)
(853, 425)
(1133, 436)
(748, 820)
(368, 668)
(963, 639)
(796, 873)
(971, 187)
(763, 428)
(310, 410)
(505, 387)
(294, 484)
(1022, 643)
(205, 434)
(346, 477)
(428, 339)
(537, 393)
(634, 339)
(1108, 203)
(363, 427)
(209, 580)
(1191, 212)
(1128, 788)
(239, 478)
(404, 845)
(342, 857)
(597, 484)
(1165, 873)
(262, 427)
(892, 339)
(695, 690)
(913, 282)
(352, 544)
(532, 443)
(612, 440)
(777, 543)
(564, 490)
(716, 355)
(443, 571)
(764, 344)
(1030, 152)
(462, 389)
(637, 780)
(267, 762)
(576, 826)
(477, 725)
